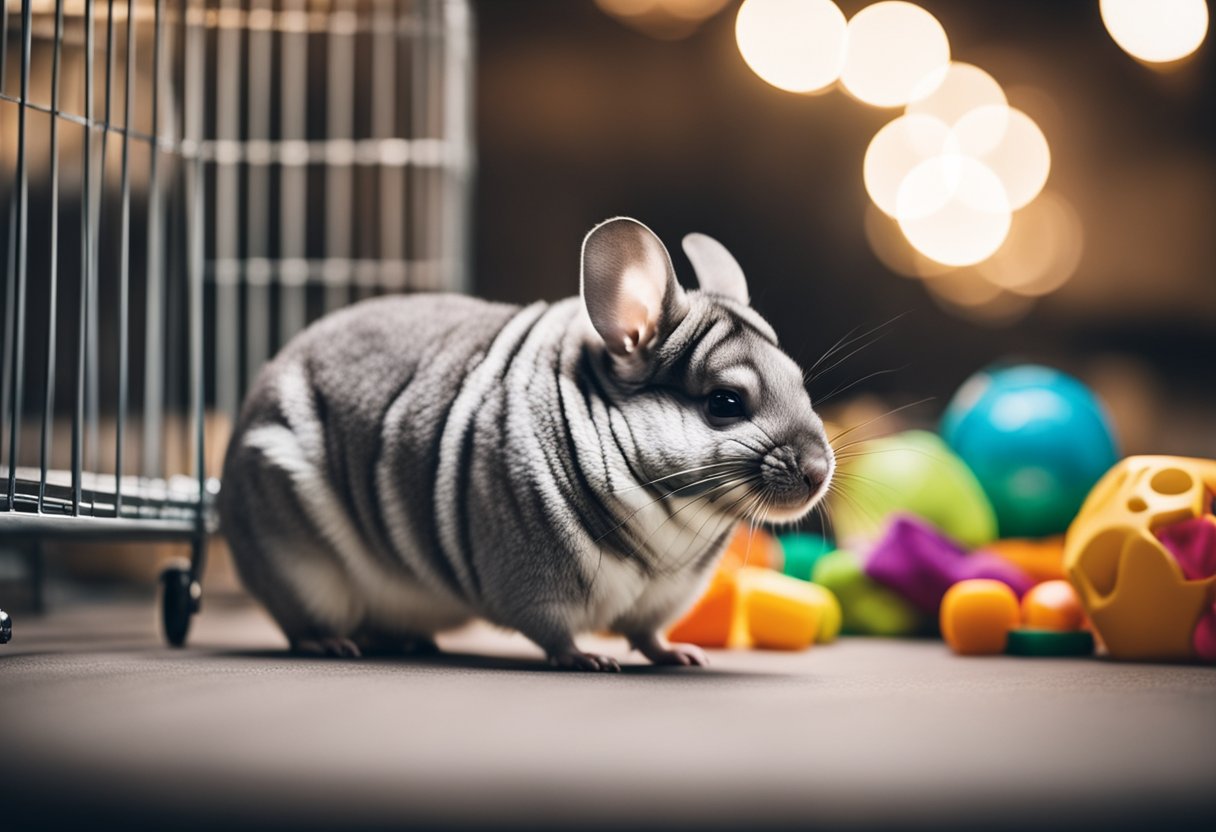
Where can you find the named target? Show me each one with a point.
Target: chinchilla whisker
(697, 535)
(767, 435)
(825, 518)
(661, 497)
(854, 352)
(847, 356)
(890, 412)
(721, 464)
(751, 532)
(708, 478)
(901, 449)
(841, 342)
(761, 502)
(856, 382)
(708, 497)
(850, 477)
(854, 504)
(759, 451)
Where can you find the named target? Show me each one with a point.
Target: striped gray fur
(410, 463)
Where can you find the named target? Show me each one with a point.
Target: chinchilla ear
(629, 287)
(717, 270)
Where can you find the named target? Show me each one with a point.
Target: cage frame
(193, 249)
(33, 510)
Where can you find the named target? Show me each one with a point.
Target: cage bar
(20, 243)
(48, 393)
(124, 262)
(153, 407)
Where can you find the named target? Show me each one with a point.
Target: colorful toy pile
(966, 531)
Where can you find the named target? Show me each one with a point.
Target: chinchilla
(410, 463)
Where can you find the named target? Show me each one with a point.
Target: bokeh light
(1042, 251)
(965, 87)
(795, 45)
(892, 248)
(1011, 145)
(965, 295)
(953, 209)
(962, 287)
(663, 19)
(896, 51)
(896, 149)
(1160, 31)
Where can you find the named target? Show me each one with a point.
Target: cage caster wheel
(6, 628)
(180, 595)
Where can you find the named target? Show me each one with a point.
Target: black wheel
(6, 628)
(179, 596)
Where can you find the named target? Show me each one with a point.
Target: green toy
(1049, 643)
(868, 608)
(915, 473)
(801, 551)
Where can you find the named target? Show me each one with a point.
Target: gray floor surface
(99, 723)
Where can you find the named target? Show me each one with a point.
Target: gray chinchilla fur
(410, 463)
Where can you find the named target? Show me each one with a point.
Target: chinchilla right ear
(718, 272)
(630, 289)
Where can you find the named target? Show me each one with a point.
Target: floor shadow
(518, 664)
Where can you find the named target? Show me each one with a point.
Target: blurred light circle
(963, 88)
(896, 50)
(896, 149)
(1042, 251)
(692, 9)
(1011, 145)
(953, 209)
(1159, 31)
(892, 248)
(965, 295)
(627, 8)
(795, 45)
(963, 287)
(662, 19)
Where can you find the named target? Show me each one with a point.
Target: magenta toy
(920, 563)
(1192, 542)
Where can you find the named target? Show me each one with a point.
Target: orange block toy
(710, 621)
(1041, 559)
(754, 607)
(784, 613)
(977, 615)
(1052, 605)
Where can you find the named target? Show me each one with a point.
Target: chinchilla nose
(815, 471)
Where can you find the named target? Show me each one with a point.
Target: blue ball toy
(1036, 439)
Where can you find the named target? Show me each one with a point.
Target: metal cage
(184, 185)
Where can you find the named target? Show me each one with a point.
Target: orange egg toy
(1052, 605)
(977, 615)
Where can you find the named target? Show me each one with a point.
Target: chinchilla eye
(725, 404)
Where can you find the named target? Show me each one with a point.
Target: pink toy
(920, 563)
(1192, 542)
(1204, 639)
